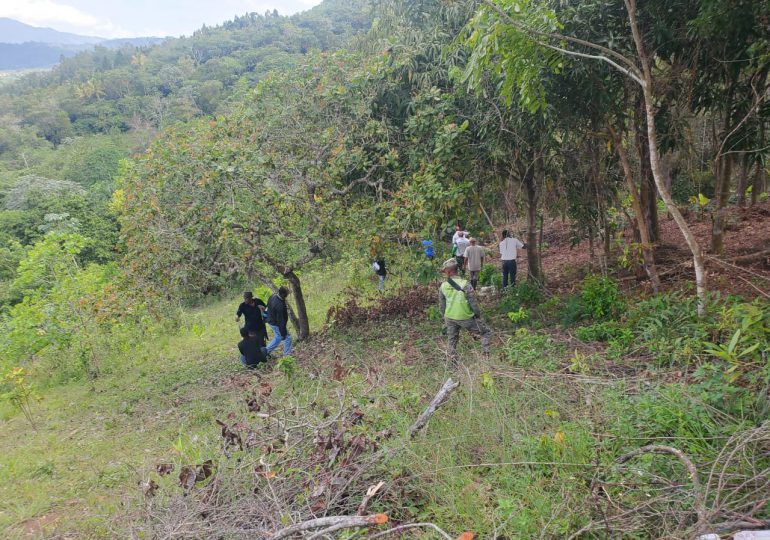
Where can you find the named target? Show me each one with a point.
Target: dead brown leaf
(164, 468)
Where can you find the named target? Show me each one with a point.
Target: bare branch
(438, 400)
(333, 523)
(699, 501)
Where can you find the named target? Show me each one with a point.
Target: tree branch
(698, 499)
(438, 400)
(631, 70)
(333, 523)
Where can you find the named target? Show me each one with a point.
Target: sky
(135, 18)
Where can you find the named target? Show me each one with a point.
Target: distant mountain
(12, 31)
(24, 47)
(15, 56)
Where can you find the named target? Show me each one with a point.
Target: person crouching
(252, 351)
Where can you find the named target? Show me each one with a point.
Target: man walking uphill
(509, 247)
(458, 304)
(278, 318)
(474, 261)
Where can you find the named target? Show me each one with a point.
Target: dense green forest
(142, 187)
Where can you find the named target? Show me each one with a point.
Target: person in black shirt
(252, 351)
(379, 268)
(251, 308)
(278, 318)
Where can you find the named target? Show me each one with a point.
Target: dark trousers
(509, 269)
(460, 264)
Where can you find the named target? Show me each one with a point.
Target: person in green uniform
(460, 308)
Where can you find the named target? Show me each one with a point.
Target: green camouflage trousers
(474, 326)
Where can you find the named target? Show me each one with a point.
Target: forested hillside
(626, 392)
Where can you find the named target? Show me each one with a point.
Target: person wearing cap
(474, 260)
(458, 304)
(252, 309)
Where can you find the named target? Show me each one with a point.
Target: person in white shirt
(508, 251)
(462, 245)
(456, 235)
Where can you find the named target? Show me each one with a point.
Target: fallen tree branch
(438, 400)
(371, 492)
(698, 499)
(332, 523)
(752, 257)
(731, 526)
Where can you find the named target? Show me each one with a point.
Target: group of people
(457, 297)
(257, 315)
(471, 257)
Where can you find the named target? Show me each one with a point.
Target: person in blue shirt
(429, 253)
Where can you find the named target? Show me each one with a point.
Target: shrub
(528, 349)
(519, 317)
(668, 326)
(572, 312)
(600, 297)
(487, 274)
(524, 294)
(743, 340)
(605, 331)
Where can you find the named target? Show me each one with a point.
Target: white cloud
(59, 16)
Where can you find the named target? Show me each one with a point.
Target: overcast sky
(133, 18)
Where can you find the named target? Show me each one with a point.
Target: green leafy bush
(600, 297)
(519, 317)
(668, 326)
(572, 312)
(605, 331)
(743, 340)
(487, 275)
(529, 349)
(524, 294)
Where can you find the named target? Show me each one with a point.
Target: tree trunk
(652, 135)
(758, 182)
(648, 255)
(534, 269)
(723, 168)
(510, 198)
(647, 195)
(299, 299)
(252, 272)
(743, 181)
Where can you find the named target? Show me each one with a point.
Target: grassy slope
(92, 443)
(509, 454)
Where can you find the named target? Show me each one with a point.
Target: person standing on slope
(474, 261)
(379, 268)
(251, 308)
(509, 247)
(460, 309)
(278, 319)
(462, 245)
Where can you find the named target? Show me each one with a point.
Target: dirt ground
(744, 268)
